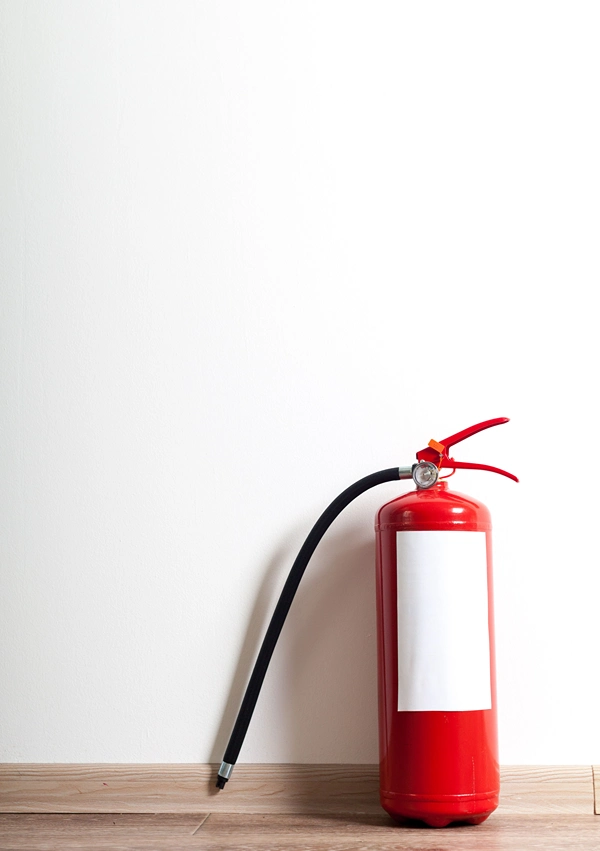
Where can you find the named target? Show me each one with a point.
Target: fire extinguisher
(436, 663)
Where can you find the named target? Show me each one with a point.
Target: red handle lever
(437, 453)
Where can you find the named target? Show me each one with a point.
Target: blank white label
(443, 631)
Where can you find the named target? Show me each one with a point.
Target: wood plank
(187, 788)
(291, 832)
(247, 832)
(546, 789)
(87, 788)
(500, 831)
(93, 830)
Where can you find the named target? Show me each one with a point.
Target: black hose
(283, 606)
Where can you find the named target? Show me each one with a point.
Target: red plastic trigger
(437, 453)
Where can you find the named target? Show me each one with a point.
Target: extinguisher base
(440, 811)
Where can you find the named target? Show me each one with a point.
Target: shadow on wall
(328, 695)
(257, 625)
(329, 699)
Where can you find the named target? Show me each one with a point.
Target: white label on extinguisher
(443, 631)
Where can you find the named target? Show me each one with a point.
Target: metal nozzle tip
(224, 774)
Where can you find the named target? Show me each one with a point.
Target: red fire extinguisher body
(436, 662)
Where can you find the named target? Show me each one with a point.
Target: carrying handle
(437, 453)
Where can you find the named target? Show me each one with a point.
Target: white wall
(251, 252)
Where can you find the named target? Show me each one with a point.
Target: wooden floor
(250, 832)
(287, 807)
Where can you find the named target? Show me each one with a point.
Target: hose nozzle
(224, 774)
